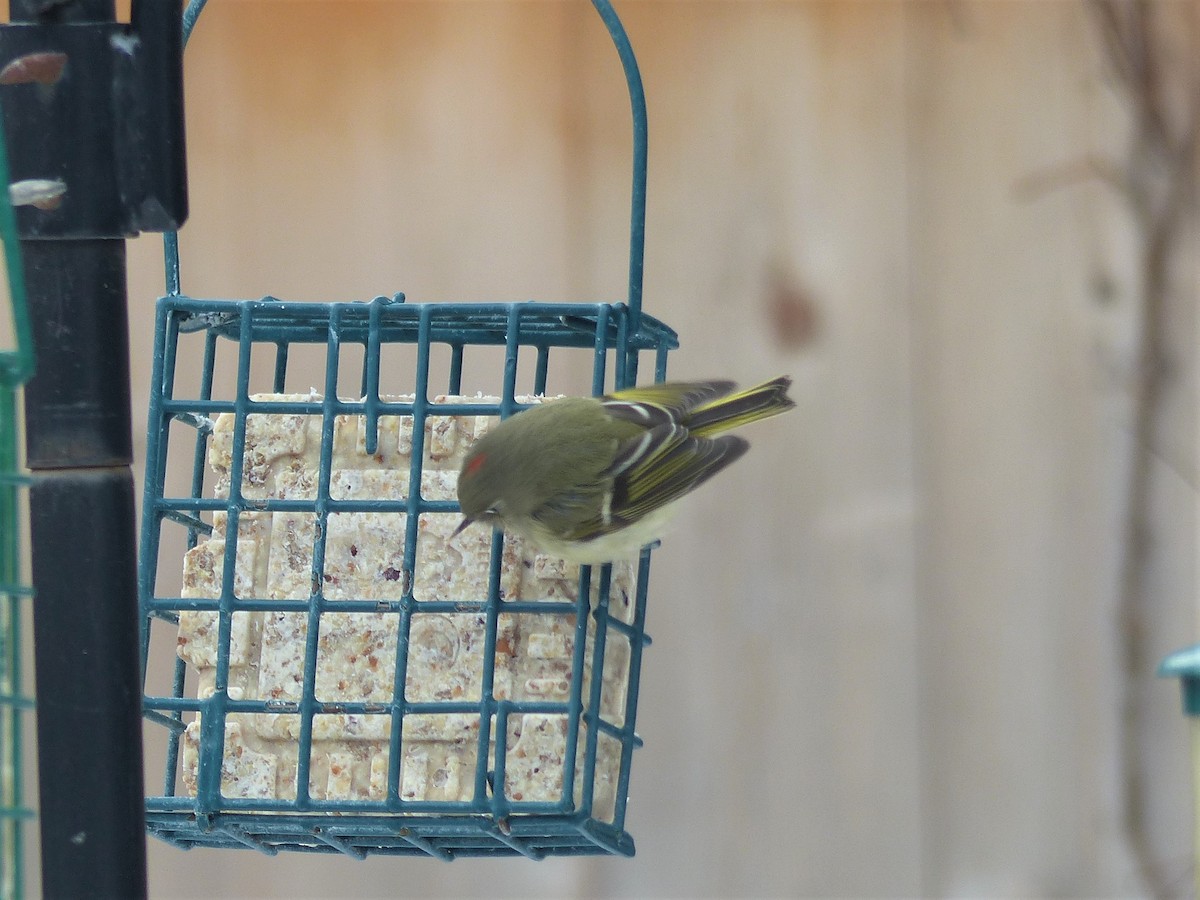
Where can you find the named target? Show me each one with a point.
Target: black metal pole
(86, 648)
(94, 125)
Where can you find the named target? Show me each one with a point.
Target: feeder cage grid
(16, 366)
(489, 822)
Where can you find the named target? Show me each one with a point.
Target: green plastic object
(247, 347)
(1185, 665)
(16, 366)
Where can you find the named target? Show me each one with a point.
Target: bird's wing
(667, 470)
(653, 404)
(655, 468)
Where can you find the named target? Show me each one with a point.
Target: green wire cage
(16, 366)
(346, 677)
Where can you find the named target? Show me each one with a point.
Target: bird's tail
(740, 407)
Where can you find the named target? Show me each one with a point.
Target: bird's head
(479, 490)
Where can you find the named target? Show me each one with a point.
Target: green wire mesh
(224, 367)
(16, 366)
(489, 820)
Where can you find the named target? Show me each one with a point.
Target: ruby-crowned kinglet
(592, 479)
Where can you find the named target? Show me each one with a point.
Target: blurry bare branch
(1085, 169)
(1157, 178)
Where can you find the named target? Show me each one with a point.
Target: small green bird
(593, 479)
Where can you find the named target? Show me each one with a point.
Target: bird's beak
(467, 520)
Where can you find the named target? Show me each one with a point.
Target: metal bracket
(93, 112)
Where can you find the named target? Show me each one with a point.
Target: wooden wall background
(887, 658)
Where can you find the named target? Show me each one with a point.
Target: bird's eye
(490, 515)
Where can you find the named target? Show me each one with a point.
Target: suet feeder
(346, 677)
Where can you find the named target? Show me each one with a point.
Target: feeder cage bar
(16, 365)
